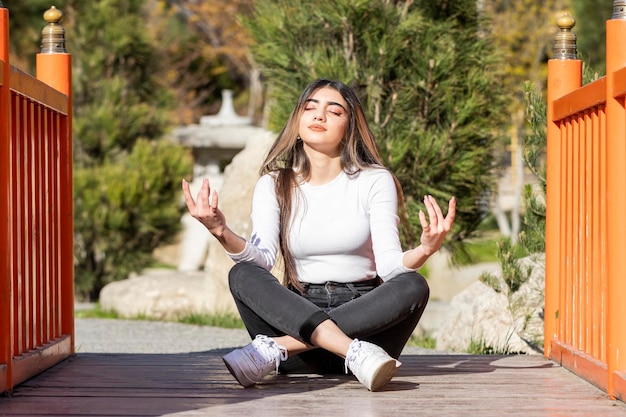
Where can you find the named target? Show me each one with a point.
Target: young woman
(351, 298)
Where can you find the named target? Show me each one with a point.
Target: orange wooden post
(54, 67)
(6, 294)
(54, 64)
(564, 76)
(616, 197)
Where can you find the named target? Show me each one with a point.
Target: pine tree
(126, 179)
(117, 95)
(426, 73)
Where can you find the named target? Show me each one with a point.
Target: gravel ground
(139, 336)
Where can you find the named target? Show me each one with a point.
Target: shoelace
(269, 348)
(354, 348)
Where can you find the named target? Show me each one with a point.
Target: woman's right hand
(204, 208)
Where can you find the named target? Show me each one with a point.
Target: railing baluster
(602, 286)
(587, 260)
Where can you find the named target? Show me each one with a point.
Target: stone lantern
(213, 142)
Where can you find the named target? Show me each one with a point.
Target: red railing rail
(585, 298)
(36, 213)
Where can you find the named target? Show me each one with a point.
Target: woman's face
(324, 121)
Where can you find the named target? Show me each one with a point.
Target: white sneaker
(255, 360)
(372, 366)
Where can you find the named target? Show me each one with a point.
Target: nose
(319, 115)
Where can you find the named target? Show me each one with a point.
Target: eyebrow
(330, 103)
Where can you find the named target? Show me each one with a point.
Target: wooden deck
(198, 384)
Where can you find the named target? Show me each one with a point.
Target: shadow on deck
(198, 384)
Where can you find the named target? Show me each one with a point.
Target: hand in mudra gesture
(204, 207)
(434, 233)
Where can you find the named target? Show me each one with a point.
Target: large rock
(162, 294)
(505, 322)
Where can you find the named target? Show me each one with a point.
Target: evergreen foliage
(126, 179)
(590, 29)
(532, 233)
(426, 73)
(116, 90)
(25, 25)
(123, 211)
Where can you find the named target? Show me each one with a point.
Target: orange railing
(36, 215)
(585, 300)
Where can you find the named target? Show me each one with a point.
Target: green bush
(123, 211)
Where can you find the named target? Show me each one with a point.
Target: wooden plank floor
(198, 384)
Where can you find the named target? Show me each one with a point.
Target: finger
(451, 211)
(423, 222)
(214, 200)
(422, 217)
(437, 209)
(191, 204)
(203, 193)
(432, 214)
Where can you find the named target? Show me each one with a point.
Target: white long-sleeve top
(343, 231)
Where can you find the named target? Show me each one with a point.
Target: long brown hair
(287, 156)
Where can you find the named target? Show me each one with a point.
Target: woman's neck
(324, 170)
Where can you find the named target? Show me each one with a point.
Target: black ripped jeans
(384, 314)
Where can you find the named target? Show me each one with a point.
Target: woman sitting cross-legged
(351, 297)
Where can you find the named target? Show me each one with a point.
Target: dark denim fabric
(384, 314)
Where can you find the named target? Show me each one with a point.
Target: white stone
(157, 293)
(507, 323)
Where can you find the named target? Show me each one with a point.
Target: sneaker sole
(383, 375)
(236, 372)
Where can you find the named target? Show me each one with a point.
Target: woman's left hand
(434, 233)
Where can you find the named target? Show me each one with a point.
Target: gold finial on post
(53, 39)
(565, 39)
(619, 9)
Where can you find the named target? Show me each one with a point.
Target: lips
(317, 128)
